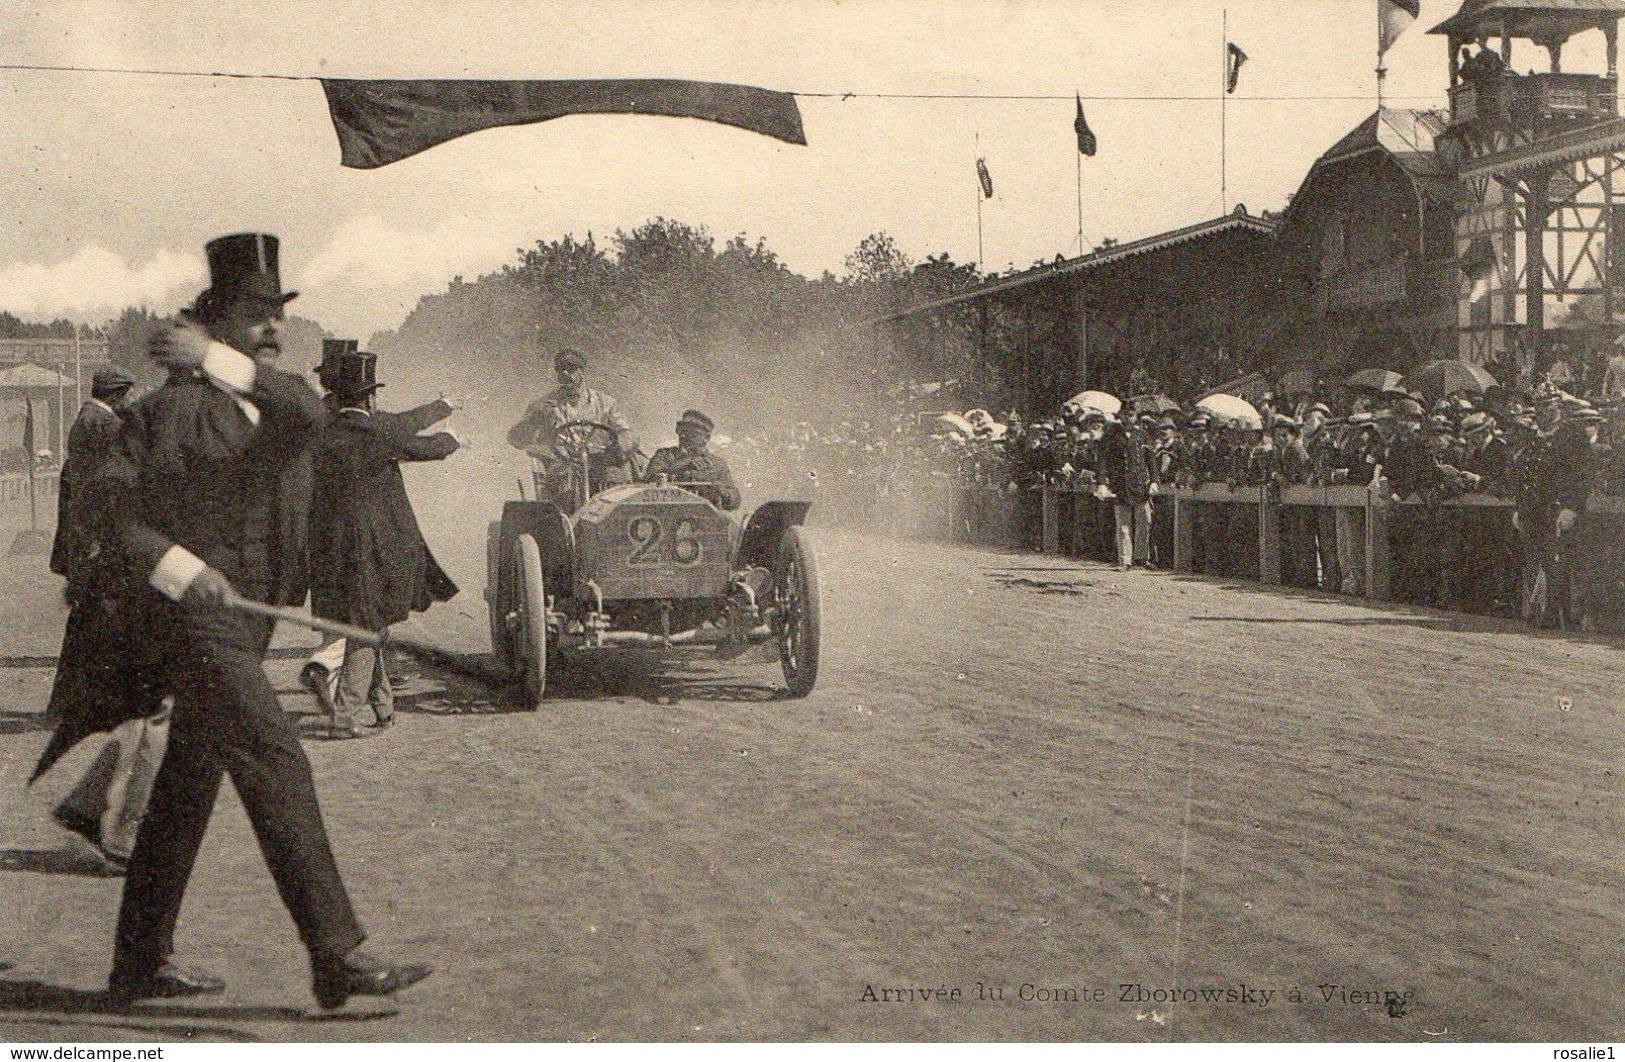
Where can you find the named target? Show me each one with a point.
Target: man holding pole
(201, 500)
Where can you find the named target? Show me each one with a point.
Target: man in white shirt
(204, 498)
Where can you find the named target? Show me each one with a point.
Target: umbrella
(1100, 400)
(1237, 411)
(956, 423)
(1156, 405)
(1446, 376)
(1382, 381)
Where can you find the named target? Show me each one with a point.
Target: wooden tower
(1538, 158)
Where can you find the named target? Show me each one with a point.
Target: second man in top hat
(370, 566)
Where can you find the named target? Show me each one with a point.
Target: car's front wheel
(796, 597)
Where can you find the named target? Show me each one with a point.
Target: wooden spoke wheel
(529, 624)
(497, 592)
(795, 594)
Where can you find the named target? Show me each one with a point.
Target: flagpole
(978, 201)
(1382, 71)
(1078, 157)
(1224, 92)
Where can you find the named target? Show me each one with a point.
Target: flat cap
(693, 418)
(110, 378)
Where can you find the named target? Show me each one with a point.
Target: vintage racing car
(646, 564)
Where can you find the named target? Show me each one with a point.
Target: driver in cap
(573, 402)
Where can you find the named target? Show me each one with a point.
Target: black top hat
(693, 418)
(245, 263)
(355, 373)
(332, 350)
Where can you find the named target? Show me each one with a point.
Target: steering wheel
(574, 438)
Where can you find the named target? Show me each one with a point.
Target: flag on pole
(1234, 57)
(28, 430)
(1393, 18)
(379, 122)
(986, 179)
(1080, 125)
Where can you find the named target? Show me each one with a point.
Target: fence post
(1269, 538)
(1376, 547)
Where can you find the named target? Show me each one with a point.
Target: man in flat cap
(201, 501)
(542, 434)
(105, 808)
(691, 462)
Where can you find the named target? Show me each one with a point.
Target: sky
(115, 181)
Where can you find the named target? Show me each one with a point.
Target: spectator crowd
(1543, 454)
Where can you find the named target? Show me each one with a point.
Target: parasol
(1381, 381)
(1156, 405)
(1100, 400)
(1236, 411)
(1447, 376)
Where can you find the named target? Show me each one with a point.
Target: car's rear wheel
(796, 596)
(496, 597)
(530, 626)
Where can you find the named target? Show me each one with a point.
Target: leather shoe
(359, 974)
(169, 981)
(345, 733)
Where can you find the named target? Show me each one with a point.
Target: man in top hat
(370, 566)
(542, 434)
(105, 808)
(320, 674)
(201, 500)
(690, 462)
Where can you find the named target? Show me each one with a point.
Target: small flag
(1086, 138)
(28, 430)
(1393, 18)
(1234, 57)
(986, 179)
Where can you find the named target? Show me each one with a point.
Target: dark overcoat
(369, 563)
(189, 468)
(92, 436)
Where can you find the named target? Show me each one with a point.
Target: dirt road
(1160, 803)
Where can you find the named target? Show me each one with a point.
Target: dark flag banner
(1393, 18)
(986, 178)
(1086, 136)
(379, 122)
(28, 430)
(1234, 57)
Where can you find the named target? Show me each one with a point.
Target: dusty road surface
(1083, 804)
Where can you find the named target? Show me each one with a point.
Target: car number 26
(656, 541)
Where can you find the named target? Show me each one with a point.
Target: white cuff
(231, 369)
(175, 572)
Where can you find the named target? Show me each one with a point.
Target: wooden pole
(978, 200)
(1224, 93)
(1382, 71)
(1078, 155)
